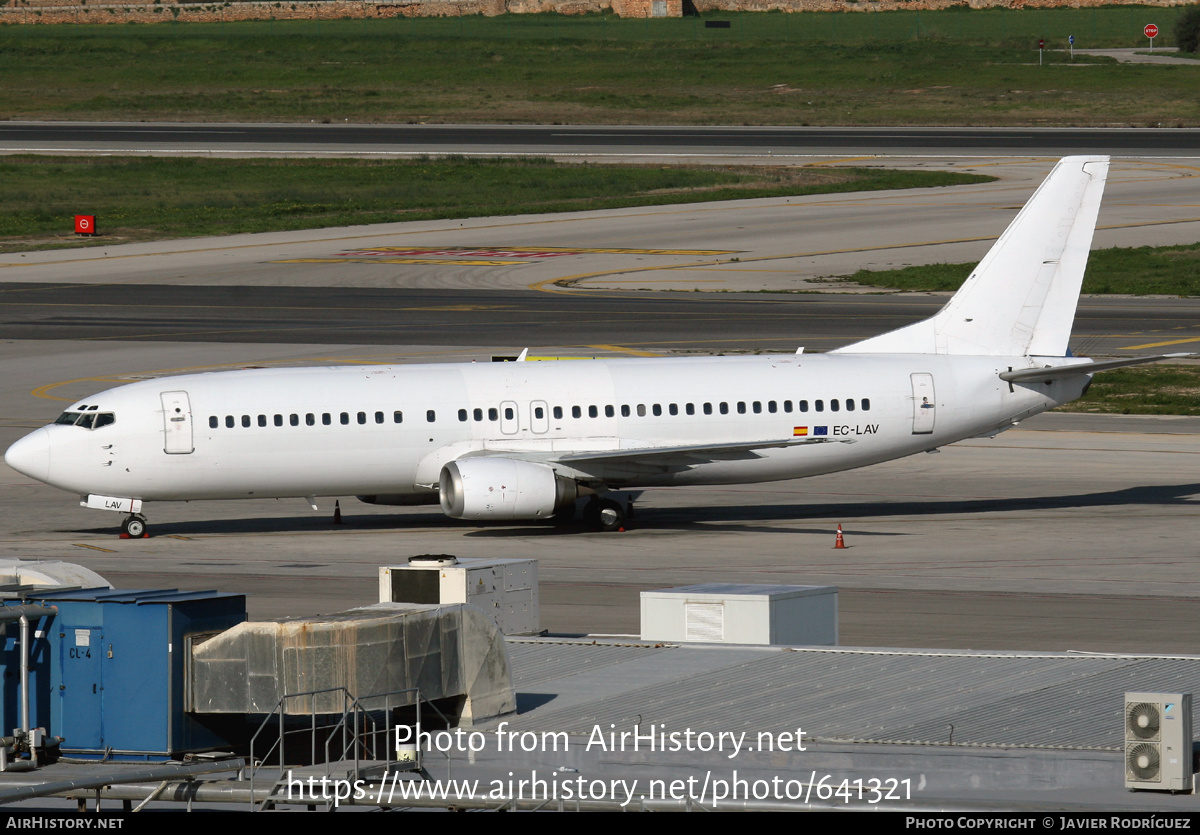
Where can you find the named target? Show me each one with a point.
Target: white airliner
(524, 440)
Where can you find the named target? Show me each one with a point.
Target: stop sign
(1151, 30)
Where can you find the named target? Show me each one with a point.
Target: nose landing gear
(134, 527)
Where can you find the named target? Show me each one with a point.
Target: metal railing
(361, 739)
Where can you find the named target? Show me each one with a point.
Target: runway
(589, 140)
(1066, 533)
(581, 324)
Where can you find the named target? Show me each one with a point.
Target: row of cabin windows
(656, 409)
(539, 412)
(310, 419)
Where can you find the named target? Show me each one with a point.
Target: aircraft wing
(633, 461)
(610, 464)
(1045, 375)
(690, 454)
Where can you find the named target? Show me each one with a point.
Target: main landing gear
(134, 527)
(606, 514)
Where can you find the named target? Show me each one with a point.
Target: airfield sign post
(1151, 31)
(1041, 49)
(1071, 41)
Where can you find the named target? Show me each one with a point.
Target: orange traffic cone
(337, 513)
(840, 542)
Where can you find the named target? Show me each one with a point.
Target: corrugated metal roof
(534, 662)
(923, 697)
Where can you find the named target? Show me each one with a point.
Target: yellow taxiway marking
(501, 251)
(566, 281)
(1160, 344)
(94, 547)
(445, 262)
(621, 350)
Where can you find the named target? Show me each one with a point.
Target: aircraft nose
(31, 455)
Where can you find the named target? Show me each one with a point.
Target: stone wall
(83, 11)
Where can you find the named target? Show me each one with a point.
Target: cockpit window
(88, 420)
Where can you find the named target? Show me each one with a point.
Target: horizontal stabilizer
(1058, 372)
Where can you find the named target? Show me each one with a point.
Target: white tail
(1020, 300)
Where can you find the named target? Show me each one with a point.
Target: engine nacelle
(503, 488)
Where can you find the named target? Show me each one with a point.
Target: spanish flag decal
(799, 431)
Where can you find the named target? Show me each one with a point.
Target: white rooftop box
(506, 589)
(729, 613)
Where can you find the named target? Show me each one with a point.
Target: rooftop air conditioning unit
(1158, 741)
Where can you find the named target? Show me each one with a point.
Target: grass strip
(1142, 390)
(148, 198)
(1135, 271)
(953, 67)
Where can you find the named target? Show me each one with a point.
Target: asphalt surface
(590, 139)
(653, 322)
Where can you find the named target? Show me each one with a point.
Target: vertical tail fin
(1020, 300)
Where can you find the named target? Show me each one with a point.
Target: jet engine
(503, 488)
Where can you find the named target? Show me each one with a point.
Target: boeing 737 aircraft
(525, 440)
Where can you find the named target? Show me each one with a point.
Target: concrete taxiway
(1066, 533)
(1069, 532)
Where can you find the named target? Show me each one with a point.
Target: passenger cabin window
(397, 417)
(345, 418)
(657, 409)
(262, 420)
(849, 404)
(724, 408)
(229, 421)
(379, 417)
(213, 423)
(362, 418)
(866, 405)
(477, 414)
(833, 405)
(430, 416)
(708, 408)
(576, 412)
(294, 420)
(558, 412)
(804, 405)
(625, 410)
(690, 408)
(673, 409)
(245, 421)
(279, 420)
(462, 415)
(609, 411)
(494, 414)
(787, 406)
(326, 419)
(593, 411)
(819, 405)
